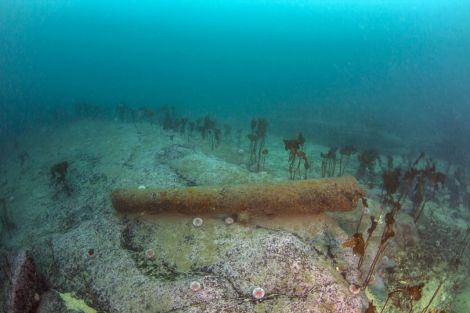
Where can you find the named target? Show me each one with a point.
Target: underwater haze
(398, 66)
(245, 156)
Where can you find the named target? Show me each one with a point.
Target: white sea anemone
(149, 253)
(354, 289)
(258, 293)
(197, 221)
(195, 286)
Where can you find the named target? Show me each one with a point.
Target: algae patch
(75, 304)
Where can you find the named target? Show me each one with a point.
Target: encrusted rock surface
(201, 169)
(24, 290)
(229, 261)
(51, 302)
(294, 260)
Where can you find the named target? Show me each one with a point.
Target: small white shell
(229, 220)
(141, 187)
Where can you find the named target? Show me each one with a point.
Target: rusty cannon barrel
(304, 196)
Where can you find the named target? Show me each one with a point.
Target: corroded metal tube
(303, 196)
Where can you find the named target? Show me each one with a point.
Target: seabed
(92, 258)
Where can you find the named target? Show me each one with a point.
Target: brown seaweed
(433, 297)
(371, 308)
(370, 231)
(391, 182)
(367, 160)
(365, 208)
(209, 131)
(357, 244)
(386, 235)
(257, 137)
(428, 176)
(296, 153)
(328, 165)
(411, 294)
(345, 154)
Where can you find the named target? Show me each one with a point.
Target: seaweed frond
(387, 234)
(357, 244)
(257, 137)
(367, 160)
(391, 182)
(371, 308)
(328, 165)
(296, 153)
(209, 130)
(345, 154)
(370, 231)
(410, 294)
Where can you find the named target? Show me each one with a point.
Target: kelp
(345, 154)
(209, 131)
(387, 234)
(370, 231)
(367, 160)
(297, 153)
(328, 164)
(410, 294)
(371, 308)
(357, 244)
(257, 137)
